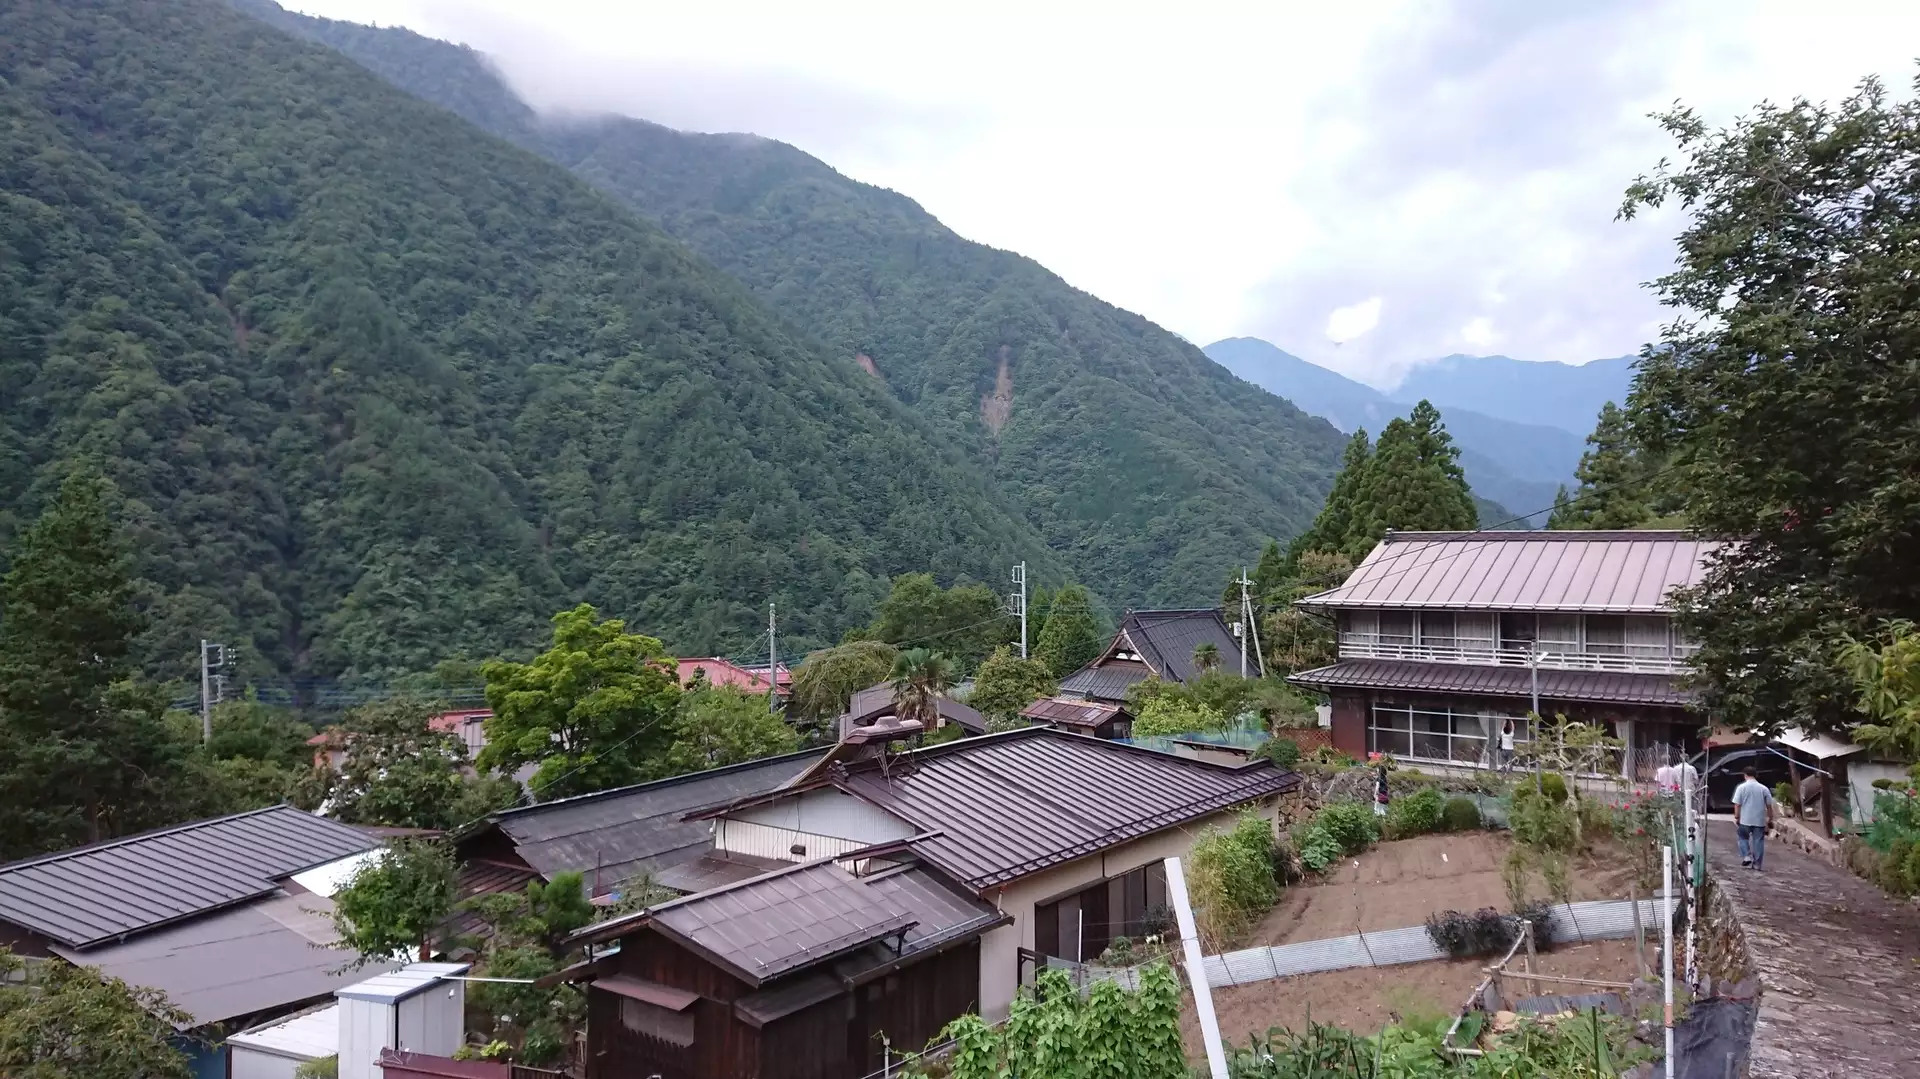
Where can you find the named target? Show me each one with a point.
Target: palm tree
(1206, 656)
(920, 679)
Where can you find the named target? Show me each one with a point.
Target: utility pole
(1246, 606)
(1019, 600)
(773, 662)
(211, 655)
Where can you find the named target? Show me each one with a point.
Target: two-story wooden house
(1444, 636)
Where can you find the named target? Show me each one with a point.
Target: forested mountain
(1147, 465)
(1516, 465)
(379, 389)
(1565, 395)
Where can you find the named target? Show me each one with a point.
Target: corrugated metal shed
(93, 894)
(629, 829)
(265, 954)
(395, 986)
(309, 1035)
(1602, 686)
(1524, 571)
(1010, 804)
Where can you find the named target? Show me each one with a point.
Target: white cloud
(1228, 171)
(1478, 333)
(1354, 320)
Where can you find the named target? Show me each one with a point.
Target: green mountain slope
(382, 389)
(1151, 468)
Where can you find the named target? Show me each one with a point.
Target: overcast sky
(1367, 185)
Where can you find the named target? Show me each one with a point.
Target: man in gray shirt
(1752, 813)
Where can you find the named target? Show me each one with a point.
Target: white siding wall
(431, 1020)
(1861, 791)
(766, 841)
(999, 949)
(825, 822)
(366, 1027)
(247, 1063)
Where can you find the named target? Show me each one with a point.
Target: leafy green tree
(1786, 385)
(254, 731)
(1412, 483)
(827, 679)
(1206, 656)
(594, 711)
(1331, 528)
(1071, 637)
(1886, 673)
(66, 1022)
(1296, 640)
(393, 904)
(525, 938)
(1006, 684)
(397, 770)
(84, 752)
(721, 725)
(1621, 485)
(920, 678)
(1162, 715)
(965, 622)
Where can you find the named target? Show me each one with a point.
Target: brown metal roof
(1166, 640)
(82, 897)
(1524, 571)
(762, 928)
(1598, 686)
(1006, 805)
(1071, 712)
(665, 996)
(1106, 682)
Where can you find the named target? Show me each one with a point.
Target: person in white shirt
(1663, 778)
(1753, 814)
(1506, 745)
(1686, 777)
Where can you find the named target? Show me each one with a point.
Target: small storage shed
(421, 1007)
(1101, 719)
(274, 1050)
(808, 972)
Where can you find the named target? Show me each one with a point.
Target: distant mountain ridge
(1564, 395)
(1149, 468)
(1516, 464)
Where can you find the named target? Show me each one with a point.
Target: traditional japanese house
(1446, 636)
(816, 970)
(1101, 719)
(1155, 644)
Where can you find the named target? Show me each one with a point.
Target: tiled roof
(1524, 571)
(725, 672)
(1166, 640)
(627, 829)
(1107, 682)
(1599, 686)
(876, 702)
(1071, 712)
(93, 894)
(1005, 805)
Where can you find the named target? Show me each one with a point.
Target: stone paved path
(1839, 962)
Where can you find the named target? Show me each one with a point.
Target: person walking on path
(1752, 814)
(1381, 794)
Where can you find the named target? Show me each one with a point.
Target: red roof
(725, 672)
(452, 721)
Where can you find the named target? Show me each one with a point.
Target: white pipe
(1666, 950)
(1197, 970)
(1693, 898)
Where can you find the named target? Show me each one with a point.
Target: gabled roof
(242, 960)
(1001, 806)
(1072, 713)
(720, 671)
(1165, 640)
(1106, 682)
(1629, 572)
(90, 895)
(799, 916)
(875, 702)
(1611, 687)
(627, 829)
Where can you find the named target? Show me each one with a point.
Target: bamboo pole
(1666, 945)
(1639, 932)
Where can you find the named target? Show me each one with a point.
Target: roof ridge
(1545, 535)
(669, 781)
(171, 829)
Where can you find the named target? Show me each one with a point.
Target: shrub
(1539, 821)
(1513, 874)
(1596, 818)
(1553, 870)
(1283, 752)
(1783, 794)
(1351, 824)
(1232, 877)
(1553, 786)
(1460, 815)
(1415, 814)
(1318, 848)
(1883, 784)
(1484, 932)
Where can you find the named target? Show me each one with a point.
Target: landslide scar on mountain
(998, 405)
(866, 364)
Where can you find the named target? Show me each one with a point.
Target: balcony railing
(1631, 659)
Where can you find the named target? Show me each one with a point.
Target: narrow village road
(1839, 961)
